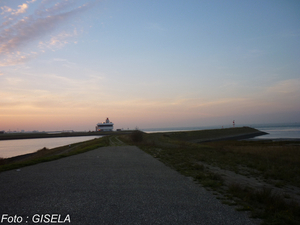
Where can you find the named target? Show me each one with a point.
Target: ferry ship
(105, 126)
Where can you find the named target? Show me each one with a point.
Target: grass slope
(277, 164)
(45, 155)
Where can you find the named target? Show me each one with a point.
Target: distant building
(105, 126)
(2, 131)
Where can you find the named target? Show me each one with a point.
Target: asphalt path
(109, 185)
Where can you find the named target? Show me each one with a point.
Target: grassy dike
(274, 165)
(205, 155)
(45, 155)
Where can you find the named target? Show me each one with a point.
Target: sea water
(279, 130)
(10, 148)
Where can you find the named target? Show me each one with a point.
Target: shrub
(136, 136)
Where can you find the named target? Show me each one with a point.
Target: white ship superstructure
(105, 126)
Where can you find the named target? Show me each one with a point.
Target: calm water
(11, 148)
(280, 131)
(274, 130)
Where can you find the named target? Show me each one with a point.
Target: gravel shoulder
(112, 185)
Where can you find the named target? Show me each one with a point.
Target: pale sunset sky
(69, 64)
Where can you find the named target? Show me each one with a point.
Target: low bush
(137, 136)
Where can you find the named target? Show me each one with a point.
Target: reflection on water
(280, 132)
(10, 148)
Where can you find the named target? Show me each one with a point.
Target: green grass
(267, 205)
(272, 160)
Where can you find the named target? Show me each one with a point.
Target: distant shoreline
(274, 139)
(17, 136)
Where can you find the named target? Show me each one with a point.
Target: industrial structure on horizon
(105, 126)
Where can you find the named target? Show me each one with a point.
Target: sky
(69, 64)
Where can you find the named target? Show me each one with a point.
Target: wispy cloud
(17, 58)
(285, 87)
(49, 91)
(21, 9)
(20, 29)
(58, 41)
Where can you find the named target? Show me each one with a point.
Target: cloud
(17, 32)
(58, 41)
(17, 58)
(50, 91)
(286, 87)
(22, 9)
(6, 9)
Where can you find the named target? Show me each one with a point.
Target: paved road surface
(110, 185)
